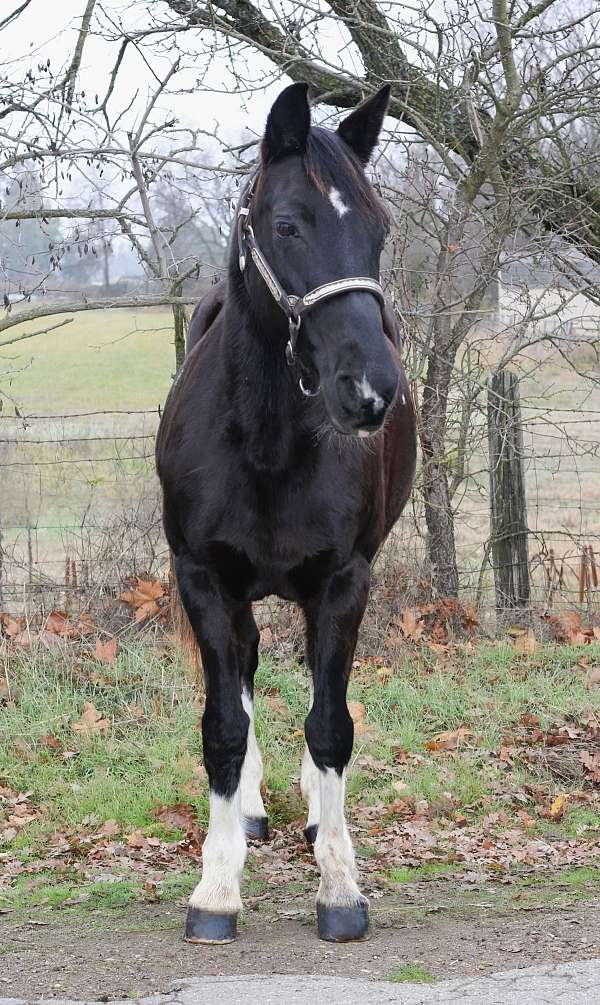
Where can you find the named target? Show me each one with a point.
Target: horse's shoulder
(206, 313)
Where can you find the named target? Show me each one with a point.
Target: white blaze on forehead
(369, 393)
(337, 202)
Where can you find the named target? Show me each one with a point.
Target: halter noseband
(293, 307)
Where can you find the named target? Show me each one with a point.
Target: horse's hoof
(310, 834)
(256, 828)
(343, 924)
(209, 928)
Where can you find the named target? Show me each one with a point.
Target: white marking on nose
(337, 202)
(370, 394)
(403, 400)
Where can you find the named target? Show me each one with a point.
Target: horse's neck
(268, 402)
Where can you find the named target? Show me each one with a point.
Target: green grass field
(102, 360)
(147, 756)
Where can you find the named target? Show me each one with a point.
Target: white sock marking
(252, 768)
(337, 202)
(370, 394)
(333, 847)
(310, 780)
(223, 856)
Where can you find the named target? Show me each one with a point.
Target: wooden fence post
(508, 506)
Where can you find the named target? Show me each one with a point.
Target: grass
(115, 359)
(412, 973)
(150, 754)
(429, 870)
(145, 760)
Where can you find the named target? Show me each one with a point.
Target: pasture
(467, 791)
(103, 360)
(72, 484)
(468, 796)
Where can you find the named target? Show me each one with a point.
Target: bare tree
(500, 100)
(498, 94)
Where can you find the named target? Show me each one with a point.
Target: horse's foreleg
(254, 817)
(216, 901)
(332, 624)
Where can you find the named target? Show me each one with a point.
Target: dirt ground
(448, 931)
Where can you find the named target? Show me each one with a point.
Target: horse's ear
(288, 124)
(360, 130)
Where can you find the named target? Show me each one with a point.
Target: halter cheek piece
(293, 307)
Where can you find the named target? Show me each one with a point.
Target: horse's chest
(277, 520)
(263, 533)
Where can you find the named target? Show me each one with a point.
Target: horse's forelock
(329, 164)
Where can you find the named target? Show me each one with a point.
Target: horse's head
(317, 219)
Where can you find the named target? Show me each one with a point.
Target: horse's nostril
(365, 401)
(347, 391)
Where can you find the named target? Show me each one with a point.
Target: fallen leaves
(435, 622)
(16, 812)
(568, 627)
(147, 598)
(525, 642)
(106, 652)
(91, 724)
(558, 807)
(181, 816)
(451, 740)
(59, 623)
(411, 625)
(591, 763)
(11, 627)
(50, 742)
(363, 729)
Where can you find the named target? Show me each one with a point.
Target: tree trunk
(180, 326)
(438, 509)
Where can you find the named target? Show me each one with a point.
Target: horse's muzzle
(362, 403)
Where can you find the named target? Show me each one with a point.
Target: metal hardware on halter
(306, 391)
(242, 212)
(290, 349)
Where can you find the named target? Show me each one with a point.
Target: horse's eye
(285, 229)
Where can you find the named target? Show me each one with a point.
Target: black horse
(286, 452)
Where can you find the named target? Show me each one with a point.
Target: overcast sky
(48, 29)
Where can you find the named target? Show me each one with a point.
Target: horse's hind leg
(333, 619)
(216, 901)
(254, 817)
(310, 786)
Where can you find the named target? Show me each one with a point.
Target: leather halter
(292, 306)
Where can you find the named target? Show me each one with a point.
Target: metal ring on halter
(306, 391)
(293, 328)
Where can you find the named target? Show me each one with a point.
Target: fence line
(103, 512)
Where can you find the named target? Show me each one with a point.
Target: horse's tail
(184, 638)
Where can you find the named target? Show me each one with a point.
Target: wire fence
(80, 503)
(81, 512)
